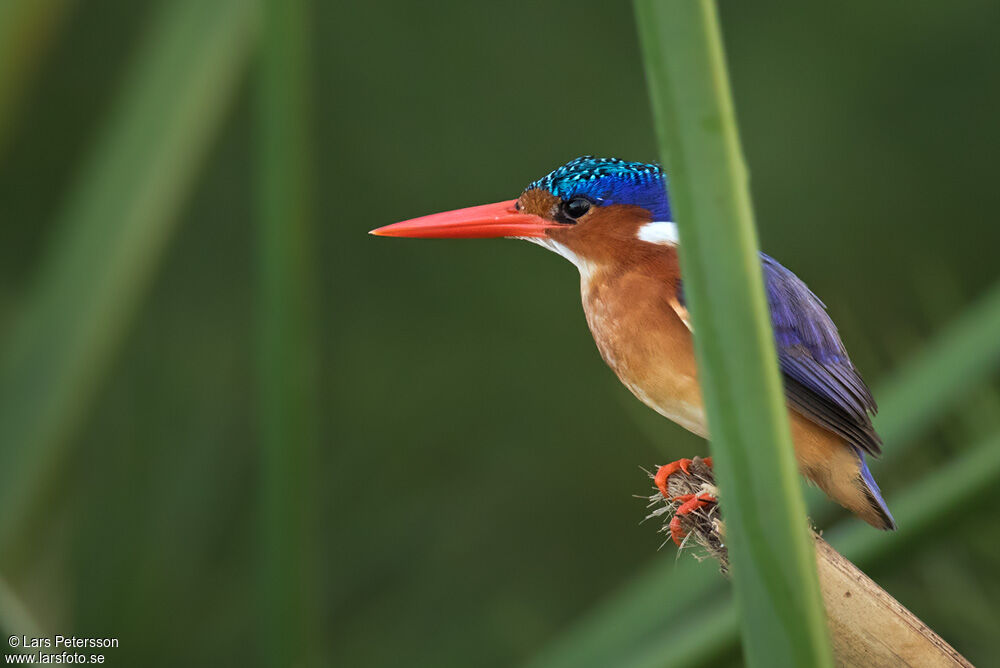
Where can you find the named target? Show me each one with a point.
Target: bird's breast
(644, 340)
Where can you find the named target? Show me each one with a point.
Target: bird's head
(590, 210)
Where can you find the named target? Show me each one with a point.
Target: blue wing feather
(820, 380)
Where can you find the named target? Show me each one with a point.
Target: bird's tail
(878, 515)
(839, 469)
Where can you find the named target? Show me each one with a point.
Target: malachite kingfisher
(612, 219)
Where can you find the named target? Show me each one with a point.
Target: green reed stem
(287, 346)
(772, 557)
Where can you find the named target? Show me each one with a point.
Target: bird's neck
(629, 281)
(601, 255)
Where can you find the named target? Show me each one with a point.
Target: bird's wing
(820, 381)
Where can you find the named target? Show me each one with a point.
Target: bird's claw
(689, 504)
(667, 470)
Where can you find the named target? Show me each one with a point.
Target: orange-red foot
(668, 470)
(689, 504)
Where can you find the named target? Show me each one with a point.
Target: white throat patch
(659, 232)
(585, 267)
(553, 246)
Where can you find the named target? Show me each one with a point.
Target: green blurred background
(237, 430)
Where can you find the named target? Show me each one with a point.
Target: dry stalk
(869, 628)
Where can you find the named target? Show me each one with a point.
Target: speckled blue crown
(609, 181)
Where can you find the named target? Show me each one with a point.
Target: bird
(612, 219)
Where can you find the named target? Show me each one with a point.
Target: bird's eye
(576, 207)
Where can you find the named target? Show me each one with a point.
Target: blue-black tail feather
(873, 493)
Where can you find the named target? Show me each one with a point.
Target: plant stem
(773, 559)
(921, 509)
(287, 354)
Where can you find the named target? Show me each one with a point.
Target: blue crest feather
(609, 181)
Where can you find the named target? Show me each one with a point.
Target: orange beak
(476, 222)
